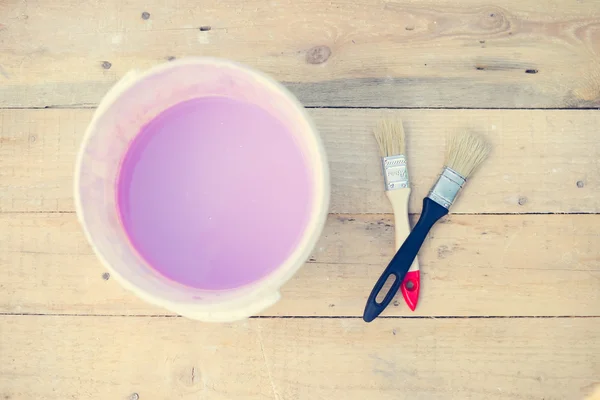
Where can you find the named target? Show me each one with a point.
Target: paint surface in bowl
(214, 193)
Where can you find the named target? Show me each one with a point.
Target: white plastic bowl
(126, 108)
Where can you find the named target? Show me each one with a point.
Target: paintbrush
(392, 145)
(465, 153)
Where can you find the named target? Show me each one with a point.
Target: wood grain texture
(543, 161)
(520, 265)
(372, 53)
(167, 358)
(510, 307)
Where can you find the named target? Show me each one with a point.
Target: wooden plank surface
(492, 265)
(510, 306)
(167, 358)
(543, 161)
(372, 53)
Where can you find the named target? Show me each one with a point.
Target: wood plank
(372, 53)
(160, 358)
(492, 265)
(540, 159)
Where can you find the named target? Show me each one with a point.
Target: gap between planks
(309, 107)
(365, 213)
(312, 317)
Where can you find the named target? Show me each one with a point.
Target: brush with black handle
(465, 153)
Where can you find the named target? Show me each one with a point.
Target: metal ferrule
(446, 188)
(395, 172)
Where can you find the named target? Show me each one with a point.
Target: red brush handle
(410, 288)
(399, 200)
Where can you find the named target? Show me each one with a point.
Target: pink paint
(214, 193)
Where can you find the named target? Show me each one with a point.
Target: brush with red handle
(392, 144)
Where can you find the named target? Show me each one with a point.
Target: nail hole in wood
(580, 184)
(531, 71)
(522, 201)
(106, 276)
(145, 15)
(106, 65)
(205, 28)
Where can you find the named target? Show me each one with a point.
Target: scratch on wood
(443, 251)
(509, 243)
(389, 368)
(3, 72)
(262, 349)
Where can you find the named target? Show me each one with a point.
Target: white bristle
(465, 152)
(390, 136)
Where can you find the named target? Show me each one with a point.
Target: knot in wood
(318, 54)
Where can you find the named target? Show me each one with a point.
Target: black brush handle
(401, 262)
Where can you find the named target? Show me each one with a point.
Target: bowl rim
(232, 309)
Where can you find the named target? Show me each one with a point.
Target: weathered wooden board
(493, 265)
(510, 306)
(372, 53)
(58, 358)
(543, 161)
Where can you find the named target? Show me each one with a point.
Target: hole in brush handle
(386, 288)
(375, 307)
